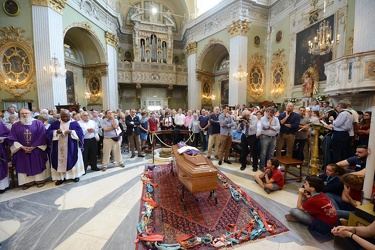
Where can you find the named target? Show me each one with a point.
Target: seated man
(236, 140)
(314, 209)
(271, 179)
(357, 162)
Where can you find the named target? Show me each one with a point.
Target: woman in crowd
(144, 129)
(364, 128)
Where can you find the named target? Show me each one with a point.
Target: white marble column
(109, 82)
(238, 44)
(194, 86)
(48, 42)
(364, 16)
(370, 163)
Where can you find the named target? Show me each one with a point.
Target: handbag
(118, 137)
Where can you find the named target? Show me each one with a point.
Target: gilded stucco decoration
(111, 39)
(257, 77)
(240, 27)
(17, 61)
(206, 79)
(191, 48)
(56, 5)
(278, 73)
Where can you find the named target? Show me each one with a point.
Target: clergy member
(4, 180)
(66, 156)
(28, 146)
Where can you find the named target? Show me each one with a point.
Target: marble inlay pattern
(102, 212)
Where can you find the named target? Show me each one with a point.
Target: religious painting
(256, 41)
(225, 92)
(70, 92)
(279, 36)
(309, 63)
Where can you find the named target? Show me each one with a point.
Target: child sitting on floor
(271, 179)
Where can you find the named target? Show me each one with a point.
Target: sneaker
(290, 218)
(267, 190)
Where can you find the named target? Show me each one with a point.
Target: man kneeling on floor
(271, 179)
(314, 209)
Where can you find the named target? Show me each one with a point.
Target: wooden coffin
(195, 172)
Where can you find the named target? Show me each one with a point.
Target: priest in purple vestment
(4, 180)
(28, 146)
(67, 140)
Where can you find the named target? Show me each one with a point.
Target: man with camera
(248, 126)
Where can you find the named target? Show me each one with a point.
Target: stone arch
(213, 51)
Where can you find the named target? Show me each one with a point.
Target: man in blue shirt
(289, 122)
(203, 123)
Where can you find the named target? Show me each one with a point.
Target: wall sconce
(277, 90)
(209, 97)
(240, 74)
(54, 68)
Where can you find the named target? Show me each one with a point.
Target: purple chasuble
(33, 135)
(72, 156)
(4, 132)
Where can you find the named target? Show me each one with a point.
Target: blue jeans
(301, 216)
(267, 149)
(343, 208)
(204, 140)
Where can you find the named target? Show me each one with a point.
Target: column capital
(111, 39)
(56, 5)
(240, 27)
(191, 48)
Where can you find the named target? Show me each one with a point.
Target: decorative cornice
(191, 48)
(56, 5)
(100, 69)
(111, 39)
(240, 27)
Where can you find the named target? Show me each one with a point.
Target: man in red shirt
(314, 208)
(271, 179)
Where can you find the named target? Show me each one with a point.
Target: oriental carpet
(203, 216)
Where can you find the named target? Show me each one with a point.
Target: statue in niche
(310, 80)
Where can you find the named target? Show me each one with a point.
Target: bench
(287, 162)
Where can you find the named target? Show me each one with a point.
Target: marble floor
(101, 211)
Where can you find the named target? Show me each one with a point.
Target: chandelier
(240, 74)
(55, 68)
(322, 43)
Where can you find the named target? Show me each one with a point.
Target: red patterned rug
(202, 216)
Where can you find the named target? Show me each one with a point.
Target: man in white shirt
(90, 130)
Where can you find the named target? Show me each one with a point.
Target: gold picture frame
(11, 7)
(279, 36)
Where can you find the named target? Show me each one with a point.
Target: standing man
(289, 122)
(341, 127)
(214, 133)
(248, 126)
(226, 124)
(302, 133)
(111, 139)
(132, 130)
(99, 143)
(28, 144)
(90, 131)
(270, 127)
(67, 140)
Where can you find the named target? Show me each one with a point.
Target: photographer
(248, 126)
(271, 179)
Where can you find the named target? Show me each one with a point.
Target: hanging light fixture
(323, 42)
(54, 68)
(240, 74)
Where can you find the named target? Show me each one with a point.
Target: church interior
(193, 54)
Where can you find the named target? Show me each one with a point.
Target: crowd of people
(42, 144)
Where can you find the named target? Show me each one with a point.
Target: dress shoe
(220, 162)
(132, 156)
(76, 179)
(228, 161)
(243, 168)
(141, 155)
(208, 157)
(59, 182)
(255, 169)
